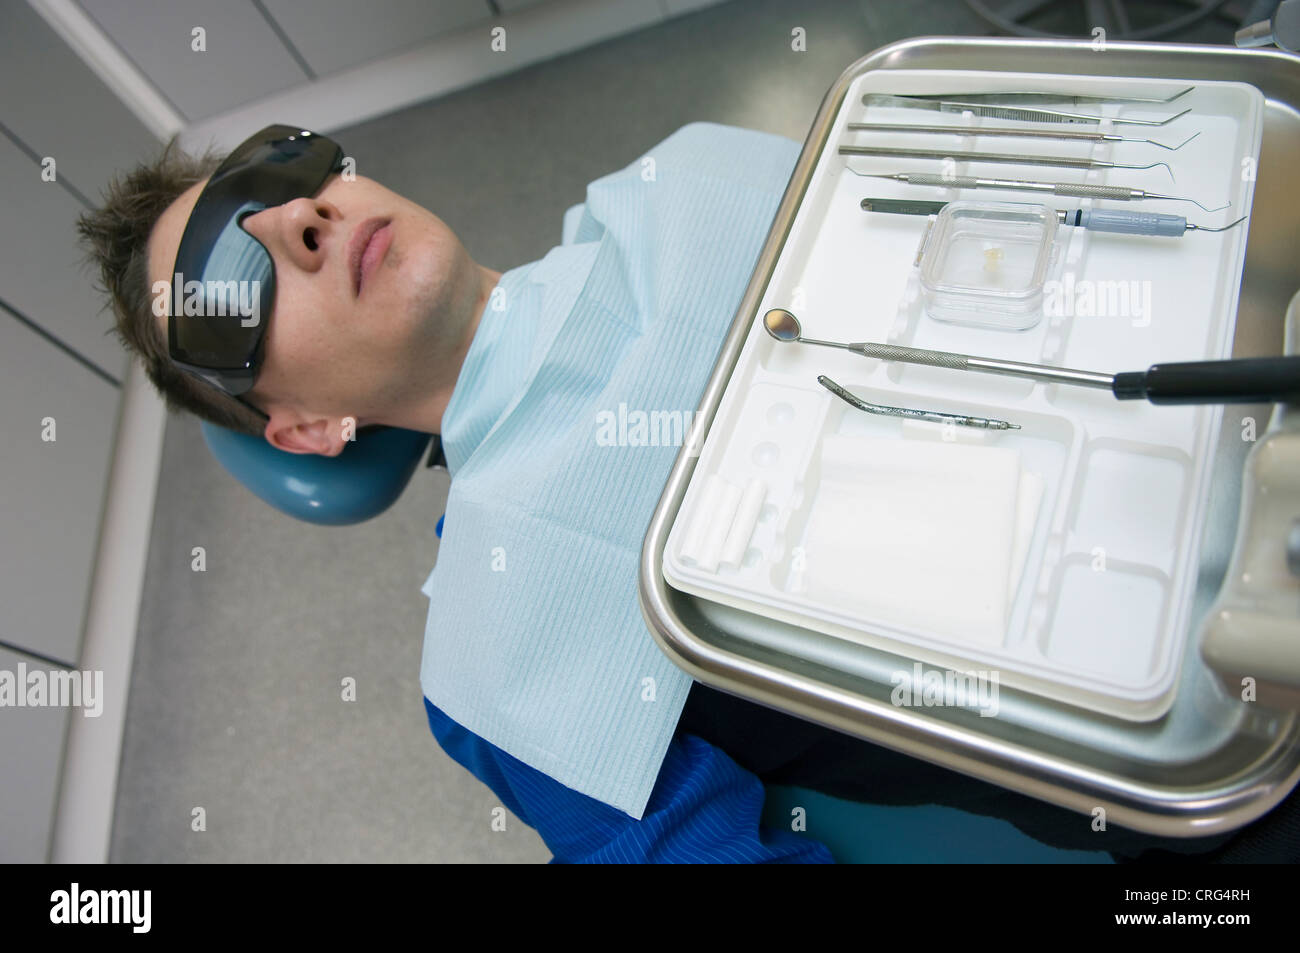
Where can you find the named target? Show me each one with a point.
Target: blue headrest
(361, 482)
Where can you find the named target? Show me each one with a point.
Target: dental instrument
(884, 410)
(1008, 112)
(1097, 220)
(1021, 113)
(1018, 96)
(1238, 381)
(1069, 189)
(1011, 132)
(1007, 157)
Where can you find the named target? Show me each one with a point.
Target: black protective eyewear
(223, 283)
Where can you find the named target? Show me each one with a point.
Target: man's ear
(321, 436)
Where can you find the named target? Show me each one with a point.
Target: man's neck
(429, 416)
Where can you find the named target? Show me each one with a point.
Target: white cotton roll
(701, 518)
(719, 526)
(742, 527)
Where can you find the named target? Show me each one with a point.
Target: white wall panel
(334, 35)
(40, 269)
(53, 102)
(31, 750)
(244, 59)
(52, 492)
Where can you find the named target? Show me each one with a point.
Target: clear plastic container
(985, 264)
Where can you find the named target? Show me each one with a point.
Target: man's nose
(305, 231)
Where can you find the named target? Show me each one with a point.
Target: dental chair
(371, 473)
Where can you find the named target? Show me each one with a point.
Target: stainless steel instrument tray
(1213, 763)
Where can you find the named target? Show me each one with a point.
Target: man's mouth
(367, 248)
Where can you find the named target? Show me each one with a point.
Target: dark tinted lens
(227, 279)
(220, 319)
(285, 162)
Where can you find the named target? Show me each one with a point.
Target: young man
(539, 676)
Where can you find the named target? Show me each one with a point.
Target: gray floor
(235, 698)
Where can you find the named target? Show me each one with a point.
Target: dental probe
(1120, 220)
(1069, 189)
(1064, 162)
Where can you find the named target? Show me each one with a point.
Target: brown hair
(116, 239)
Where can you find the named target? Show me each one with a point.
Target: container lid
(988, 256)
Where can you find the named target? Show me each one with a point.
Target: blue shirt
(705, 808)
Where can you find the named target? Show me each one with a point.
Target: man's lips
(367, 248)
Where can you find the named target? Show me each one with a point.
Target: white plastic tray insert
(1061, 556)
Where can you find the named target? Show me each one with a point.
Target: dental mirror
(781, 324)
(784, 326)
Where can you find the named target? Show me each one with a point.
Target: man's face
(332, 351)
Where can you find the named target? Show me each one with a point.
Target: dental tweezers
(1017, 96)
(1022, 113)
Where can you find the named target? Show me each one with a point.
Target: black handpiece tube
(1253, 380)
